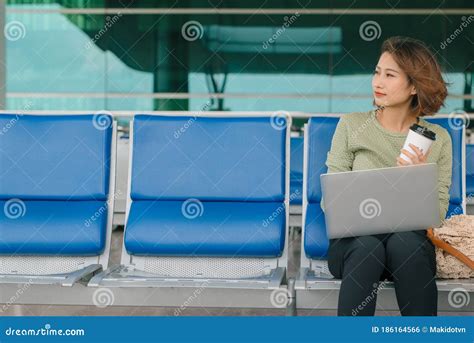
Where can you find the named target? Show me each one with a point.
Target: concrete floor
(294, 250)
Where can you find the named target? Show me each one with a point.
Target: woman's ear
(413, 90)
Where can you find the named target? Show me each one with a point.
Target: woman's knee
(368, 245)
(367, 251)
(405, 244)
(410, 248)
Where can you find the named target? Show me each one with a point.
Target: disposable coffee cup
(419, 136)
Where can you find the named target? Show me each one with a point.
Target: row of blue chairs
(208, 199)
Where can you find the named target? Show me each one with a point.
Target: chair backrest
(319, 133)
(296, 170)
(215, 159)
(457, 192)
(54, 157)
(470, 171)
(318, 136)
(470, 159)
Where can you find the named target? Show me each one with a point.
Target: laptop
(378, 201)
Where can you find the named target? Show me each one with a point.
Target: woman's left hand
(417, 158)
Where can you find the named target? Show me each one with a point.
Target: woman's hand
(417, 158)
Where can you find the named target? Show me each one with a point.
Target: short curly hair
(423, 72)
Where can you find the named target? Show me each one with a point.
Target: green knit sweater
(360, 142)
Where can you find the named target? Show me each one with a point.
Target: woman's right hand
(417, 158)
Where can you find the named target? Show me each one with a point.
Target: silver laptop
(368, 202)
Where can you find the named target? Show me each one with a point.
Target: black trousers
(407, 258)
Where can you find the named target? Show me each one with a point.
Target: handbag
(454, 241)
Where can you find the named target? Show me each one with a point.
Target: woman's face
(390, 84)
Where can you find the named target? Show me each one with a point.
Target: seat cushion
(316, 241)
(55, 157)
(52, 227)
(228, 159)
(192, 228)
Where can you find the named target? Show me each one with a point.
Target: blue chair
(314, 272)
(470, 172)
(55, 226)
(208, 202)
(457, 192)
(318, 133)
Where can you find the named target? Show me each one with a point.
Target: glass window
(312, 56)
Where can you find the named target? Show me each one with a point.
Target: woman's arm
(445, 164)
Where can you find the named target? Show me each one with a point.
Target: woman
(407, 85)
